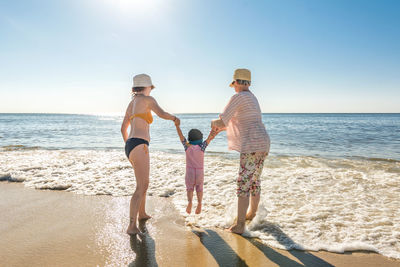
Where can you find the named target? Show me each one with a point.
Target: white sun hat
(142, 80)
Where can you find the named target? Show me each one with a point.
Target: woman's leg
(243, 204)
(246, 171)
(142, 209)
(141, 163)
(256, 185)
(254, 200)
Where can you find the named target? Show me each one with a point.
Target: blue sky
(305, 56)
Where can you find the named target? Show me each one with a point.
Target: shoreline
(52, 228)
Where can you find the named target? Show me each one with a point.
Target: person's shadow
(223, 254)
(144, 247)
(304, 257)
(226, 256)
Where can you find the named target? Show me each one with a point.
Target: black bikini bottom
(131, 143)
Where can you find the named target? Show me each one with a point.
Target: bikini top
(145, 116)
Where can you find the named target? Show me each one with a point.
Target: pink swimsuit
(194, 166)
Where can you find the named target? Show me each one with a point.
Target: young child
(194, 163)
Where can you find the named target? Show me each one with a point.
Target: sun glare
(136, 7)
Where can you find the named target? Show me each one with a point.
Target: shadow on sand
(144, 247)
(219, 249)
(304, 257)
(226, 256)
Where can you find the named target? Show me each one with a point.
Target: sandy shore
(49, 228)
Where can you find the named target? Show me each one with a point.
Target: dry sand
(48, 228)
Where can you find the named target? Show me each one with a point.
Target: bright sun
(135, 6)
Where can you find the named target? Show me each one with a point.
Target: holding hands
(217, 126)
(177, 121)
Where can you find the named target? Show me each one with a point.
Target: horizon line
(188, 113)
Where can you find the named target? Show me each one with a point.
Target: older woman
(246, 134)
(138, 116)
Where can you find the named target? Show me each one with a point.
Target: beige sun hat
(241, 74)
(142, 80)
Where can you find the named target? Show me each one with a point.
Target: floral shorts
(251, 165)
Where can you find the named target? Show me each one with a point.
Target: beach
(66, 188)
(52, 228)
(307, 203)
(284, 114)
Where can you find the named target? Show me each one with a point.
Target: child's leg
(199, 201)
(190, 182)
(199, 189)
(190, 198)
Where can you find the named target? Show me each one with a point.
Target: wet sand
(50, 228)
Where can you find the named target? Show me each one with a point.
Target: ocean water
(331, 181)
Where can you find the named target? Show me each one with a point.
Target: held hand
(217, 130)
(218, 125)
(177, 121)
(213, 126)
(214, 129)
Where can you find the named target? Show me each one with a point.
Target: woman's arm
(126, 122)
(159, 111)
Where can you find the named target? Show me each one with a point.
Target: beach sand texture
(49, 228)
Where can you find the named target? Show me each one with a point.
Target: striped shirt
(244, 128)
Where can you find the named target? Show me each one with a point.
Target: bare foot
(189, 208)
(144, 217)
(250, 216)
(198, 208)
(236, 228)
(132, 230)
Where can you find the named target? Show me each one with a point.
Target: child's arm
(179, 131)
(211, 136)
(181, 137)
(213, 133)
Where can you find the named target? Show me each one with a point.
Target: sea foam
(306, 202)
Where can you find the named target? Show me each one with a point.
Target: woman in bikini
(138, 116)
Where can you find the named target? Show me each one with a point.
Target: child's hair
(194, 135)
